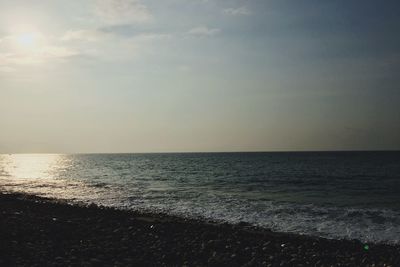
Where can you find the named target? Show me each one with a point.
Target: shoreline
(36, 231)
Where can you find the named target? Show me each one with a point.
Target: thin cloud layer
(204, 31)
(240, 11)
(84, 35)
(121, 12)
(17, 51)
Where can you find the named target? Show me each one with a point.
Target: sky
(113, 76)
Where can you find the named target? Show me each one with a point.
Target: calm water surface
(329, 194)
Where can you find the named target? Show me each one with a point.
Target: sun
(28, 39)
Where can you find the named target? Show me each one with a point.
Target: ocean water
(351, 195)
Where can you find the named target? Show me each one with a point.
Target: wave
(366, 225)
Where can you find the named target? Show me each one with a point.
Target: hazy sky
(198, 75)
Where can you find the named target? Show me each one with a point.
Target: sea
(338, 195)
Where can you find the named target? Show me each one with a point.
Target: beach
(38, 231)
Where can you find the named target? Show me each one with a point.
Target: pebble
(92, 241)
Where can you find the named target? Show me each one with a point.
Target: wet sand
(43, 232)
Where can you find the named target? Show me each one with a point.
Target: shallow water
(330, 194)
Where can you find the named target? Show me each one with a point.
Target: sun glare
(28, 40)
(31, 166)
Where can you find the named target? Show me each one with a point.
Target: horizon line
(204, 152)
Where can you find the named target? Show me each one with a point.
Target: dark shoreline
(36, 231)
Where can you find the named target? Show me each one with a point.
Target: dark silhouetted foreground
(41, 232)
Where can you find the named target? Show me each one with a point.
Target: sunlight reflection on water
(31, 166)
(39, 174)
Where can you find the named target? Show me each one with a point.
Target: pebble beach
(38, 231)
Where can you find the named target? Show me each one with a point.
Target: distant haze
(199, 75)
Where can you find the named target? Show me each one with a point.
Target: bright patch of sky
(198, 75)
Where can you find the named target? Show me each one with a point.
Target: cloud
(204, 31)
(10, 61)
(240, 11)
(50, 52)
(121, 12)
(149, 37)
(7, 69)
(84, 35)
(4, 63)
(184, 68)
